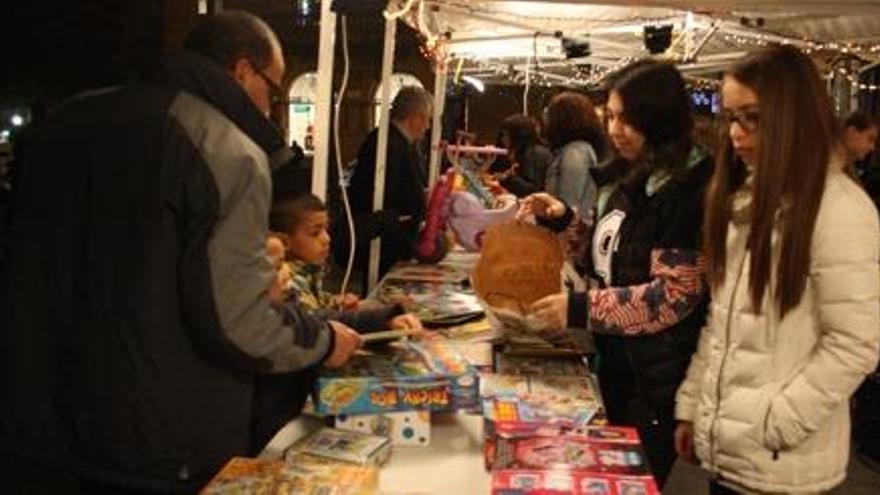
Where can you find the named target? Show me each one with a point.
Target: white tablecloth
(451, 464)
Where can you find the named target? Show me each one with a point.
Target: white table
(452, 463)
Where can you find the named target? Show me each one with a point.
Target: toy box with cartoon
(404, 376)
(585, 450)
(561, 482)
(568, 401)
(403, 427)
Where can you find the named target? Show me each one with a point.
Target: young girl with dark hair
(794, 326)
(647, 302)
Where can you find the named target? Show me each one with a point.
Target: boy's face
(310, 240)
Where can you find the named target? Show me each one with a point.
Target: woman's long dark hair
(656, 103)
(522, 131)
(796, 136)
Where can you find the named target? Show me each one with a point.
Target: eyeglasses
(275, 94)
(748, 120)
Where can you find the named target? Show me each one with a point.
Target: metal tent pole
(324, 103)
(382, 143)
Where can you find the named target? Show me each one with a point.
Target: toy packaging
(562, 482)
(403, 428)
(403, 376)
(568, 401)
(584, 450)
(306, 476)
(362, 449)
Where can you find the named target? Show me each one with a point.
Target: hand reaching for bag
(541, 205)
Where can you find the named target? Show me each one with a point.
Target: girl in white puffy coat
(794, 324)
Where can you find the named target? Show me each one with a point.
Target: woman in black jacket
(647, 302)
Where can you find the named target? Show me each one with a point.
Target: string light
(808, 45)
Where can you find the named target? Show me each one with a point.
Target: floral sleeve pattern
(677, 286)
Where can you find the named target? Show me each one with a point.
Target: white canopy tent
(502, 40)
(524, 42)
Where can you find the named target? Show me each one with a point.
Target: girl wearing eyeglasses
(794, 325)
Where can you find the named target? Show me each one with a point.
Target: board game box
(595, 450)
(306, 476)
(562, 482)
(353, 447)
(568, 401)
(403, 427)
(402, 376)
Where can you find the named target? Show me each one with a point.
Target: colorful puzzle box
(403, 376)
(561, 482)
(595, 450)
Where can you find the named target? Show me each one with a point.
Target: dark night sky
(54, 48)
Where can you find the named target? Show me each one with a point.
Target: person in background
(647, 301)
(793, 247)
(136, 301)
(404, 205)
(574, 132)
(527, 159)
(859, 136)
(859, 140)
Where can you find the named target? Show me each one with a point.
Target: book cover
(246, 476)
(569, 401)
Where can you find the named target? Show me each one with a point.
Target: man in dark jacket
(136, 298)
(403, 210)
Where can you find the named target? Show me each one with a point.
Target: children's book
(357, 448)
(304, 476)
(427, 273)
(435, 303)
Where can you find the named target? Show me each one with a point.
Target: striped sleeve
(677, 286)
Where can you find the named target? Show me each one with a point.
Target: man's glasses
(275, 94)
(748, 120)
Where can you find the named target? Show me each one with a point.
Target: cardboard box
(404, 376)
(569, 401)
(402, 428)
(352, 447)
(599, 450)
(562, 482)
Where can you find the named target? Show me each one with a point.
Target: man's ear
(241, 69)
